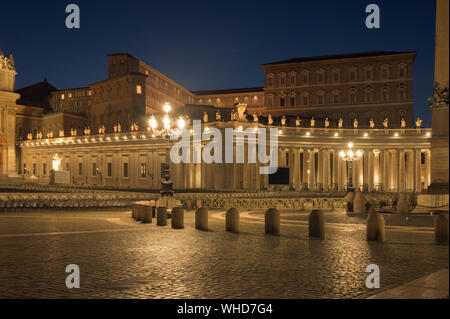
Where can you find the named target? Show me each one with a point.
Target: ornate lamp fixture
(349, 156)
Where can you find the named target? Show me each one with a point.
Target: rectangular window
(352, 98)
(385, 74)
(143, 169)
(336, 99)
(320, 78)
(67, 166)
(44, 169)
(125, 169)
(352, 76)
(282, 102)
(292, 101)
(80, 169)
(109, 169)
(369, 75)
(34, 168)
(24, 168)
(305, 100)
(305, 78)
(282, 81)
(320, 99)
(94, 169)
(401, 72)
(138, 89)
(292, 80)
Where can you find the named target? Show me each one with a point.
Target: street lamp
(165, 132)
(350, 156)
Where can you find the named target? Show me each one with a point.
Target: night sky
(209, 44)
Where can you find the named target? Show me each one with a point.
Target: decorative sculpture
(119, 128)
(29, 136)
(371, 123)
(402, 123)
(7, 63)
(313, 122)
(255, 118)
(205, 117)
(386, 123)
(56, 162)
(327, 122)
(241, 109)
(418, 123)
(298, 122)
(115, 128)
(61, 133)
(270, 119)
(218, 116)
(341, 123)
(233, 115)
(355, 123)
(440, 96)
(283, 120)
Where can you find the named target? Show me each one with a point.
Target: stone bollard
(317, 224)
(403, 204)
(161, 216)
(201, 218)
(359, 204)
(147, 213)
(441, 229)
(136, 211)
(232, 220)
(177, 218)
(272, 221)
(375, 227)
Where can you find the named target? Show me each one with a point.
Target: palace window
(402, 71)
(125, 169)
(385, 72)
(24, 168)
(320, 77)
(94, 169)
(62, 96)
(139, 89)
(305, 100)
(320, 99)
(282, 80)
(34, 168)
(369, 74)
(44, 169)
(305, 77)
(282, 101)
(80, 169)
(352, 75)
(292, 79)
(336, 98)
(143, 169)
(337, 76)
(292, 102)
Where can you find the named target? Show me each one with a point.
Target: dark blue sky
(209, 44)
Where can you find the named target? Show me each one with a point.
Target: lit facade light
(365, 134)
(336, 134)
(308, 134)
(167, 108)
(396, 134)
(428, 134)
(280, 132)
(152, 122)
(181, 122)
(166, 122)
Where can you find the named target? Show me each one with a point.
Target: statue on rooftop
(241, 109)
(298, 122)
(270, 119)
(341, 122)
(402, 123)
(327, 122)
(418, 123)
(205, 117)
(283, 120)
(355, 123)
(218, 116)
(371, 123)
(255, 118)
(313, 122)
(386, 122)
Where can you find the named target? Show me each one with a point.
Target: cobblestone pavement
(120, 258)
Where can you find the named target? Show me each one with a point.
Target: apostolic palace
(323, 108)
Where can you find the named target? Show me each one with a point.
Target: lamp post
(165, 132)
(350, 156)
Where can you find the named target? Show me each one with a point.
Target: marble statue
(241, 110)
(205, 117)
(402, 123)
(218, 116)
(418, 123)
(327, 122)
(255, 118)
(298, 122)
(371, 123)
(119, 128)
(355, 123)
(233, 115)
(270, 119)
(56, 162)
(386, 123)
(313, 122)
(341, 122)
(283, 120)
(61, 133)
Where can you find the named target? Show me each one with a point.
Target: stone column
(427, 168)
(326, 170)
(401, 171)
(296, 166)
(393, 185)
(320, 165)
(370, 170)
(305, 178)
(386, 170)
(336, 168)
(365, 169)
(417, 170)
(342, 173)
(376, 168)
(410, 180)
(312, 170)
